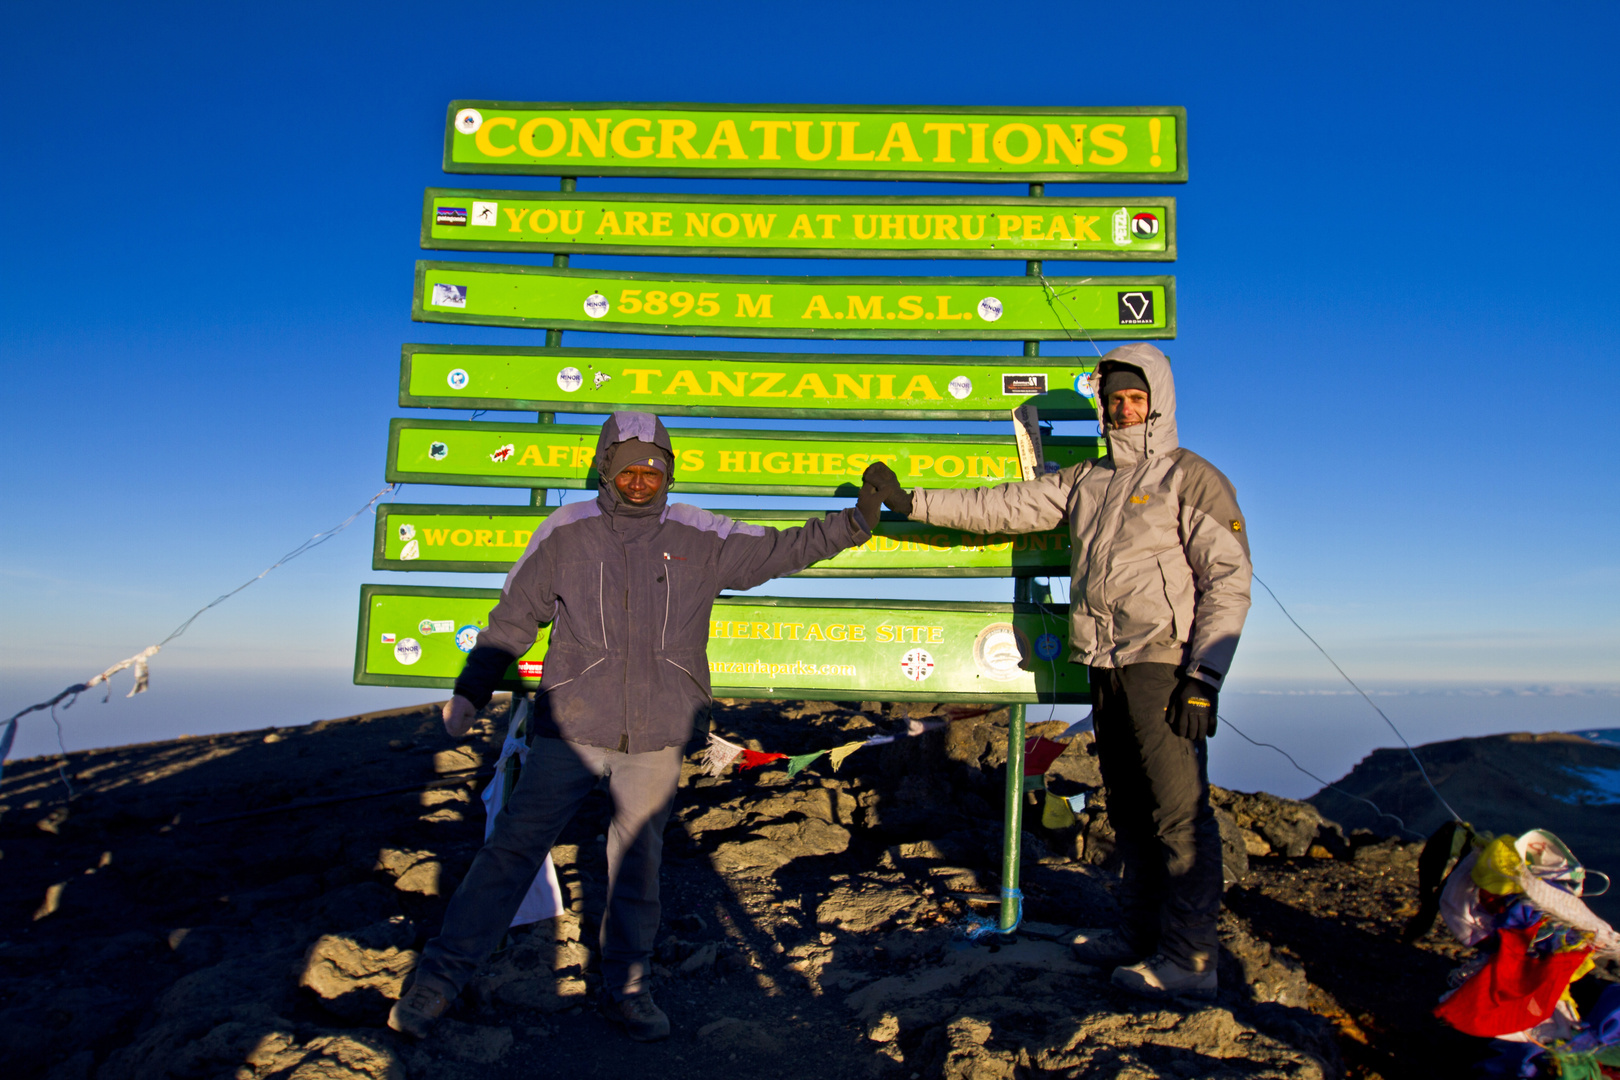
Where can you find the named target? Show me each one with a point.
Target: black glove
(870, 504)
(880, 476)
(1192, 708)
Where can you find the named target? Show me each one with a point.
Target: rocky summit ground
(245, 906)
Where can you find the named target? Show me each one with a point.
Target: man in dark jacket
(627, 582)
(1159, 576)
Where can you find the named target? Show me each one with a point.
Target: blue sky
(1397, 326)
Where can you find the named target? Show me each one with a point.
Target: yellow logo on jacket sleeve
(1139, 499)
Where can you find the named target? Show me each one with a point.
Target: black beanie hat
(1122, 377)
(635, 452)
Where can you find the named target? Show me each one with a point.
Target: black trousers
(1158, 805)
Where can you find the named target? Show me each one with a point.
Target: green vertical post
(1012, 839)
(565, 184)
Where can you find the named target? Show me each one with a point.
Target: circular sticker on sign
(438, 451)
(569, 379)
(596, 305)
(1047, 646)
(1086, 385)
(468, 121)
(408, 651)
(457, 379)
(407, 533)
(999, 651)
(917, 665)
(467, 638)
(960, 387)
(989, 309)
(1144, 226)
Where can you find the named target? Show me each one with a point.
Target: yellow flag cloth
(1057, 813)
(1498, 867)
(838, 754)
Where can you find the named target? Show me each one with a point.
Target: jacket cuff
(1204, 674)
(860, 526)
(483, 672)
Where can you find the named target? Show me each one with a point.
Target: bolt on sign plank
(703, 383)
(799, 226)
(929, 308)
(478, 454)
(828, 142)
(489, 539)
(827, 650)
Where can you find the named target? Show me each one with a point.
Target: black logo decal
(1136, 308)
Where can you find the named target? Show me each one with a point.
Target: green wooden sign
(800, 226)
(488, 539)
(765, 647)
(850, 142)
(703, 383)
(479, 454)
(996, 308)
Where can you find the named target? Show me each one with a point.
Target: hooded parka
(628, 592)
(1159, 555)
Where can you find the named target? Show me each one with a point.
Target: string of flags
(1040, 753)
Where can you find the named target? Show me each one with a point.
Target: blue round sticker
(467, 638)
(1048, 645)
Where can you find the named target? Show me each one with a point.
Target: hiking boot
(1161, 977)
(415, 1013)
(641, 1019)
(1103, 947)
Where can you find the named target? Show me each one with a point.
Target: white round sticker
(960, 387)
(569, 379)
(438, 451)
(596, 305)
(999, 651)
(407, 531)
(917, 665)
(468, 121)
(408, 651)
(1086, 385)
(989, 309)
(457, 379)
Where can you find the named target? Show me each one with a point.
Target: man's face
(639, 484)
(1127, 408)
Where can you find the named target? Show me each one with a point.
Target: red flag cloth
(753, 759)
(1515, 991)
(1039, 753)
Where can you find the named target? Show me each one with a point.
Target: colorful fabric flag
(1057, 813)
(753, 759)
(1039, 753)
(797, 764)
(839, 753)
(1516, 990)
(718, 755)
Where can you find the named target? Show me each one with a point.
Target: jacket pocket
(1178, 593)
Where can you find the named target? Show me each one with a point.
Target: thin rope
(313, 542)
(1421, 770)
(1319, 780)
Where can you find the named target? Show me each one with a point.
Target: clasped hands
(881, 487)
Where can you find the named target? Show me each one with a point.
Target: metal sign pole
(1012, 832)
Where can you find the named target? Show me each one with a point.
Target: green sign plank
(800, 226)
(488, 539)
(822, 386)
(474, 453)
(768, 647)
(827, 142)
(714, 305)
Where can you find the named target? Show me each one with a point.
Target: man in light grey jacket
(1160, 586)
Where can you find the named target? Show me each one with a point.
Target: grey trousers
(555, 780)
(1158, 805)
